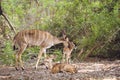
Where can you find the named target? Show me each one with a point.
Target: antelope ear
(67, 39)
(72, 43)
(64, 34)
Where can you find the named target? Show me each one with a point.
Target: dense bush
(8, 56)
(91, 24)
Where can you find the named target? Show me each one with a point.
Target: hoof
(46, 67)
(23, 68)
(36, 68)
(16, 68)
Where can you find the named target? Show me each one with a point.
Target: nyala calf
(62, 67)
(48, 61)
(67, 50)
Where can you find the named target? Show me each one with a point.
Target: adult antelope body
(39, 38)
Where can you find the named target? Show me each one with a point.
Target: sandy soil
(103, 70)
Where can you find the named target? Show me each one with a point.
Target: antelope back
(35, 37)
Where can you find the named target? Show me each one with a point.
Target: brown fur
(33, 38)
(67, 50)
(61, 67)
(48, 61)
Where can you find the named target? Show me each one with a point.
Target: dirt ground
(97, 70)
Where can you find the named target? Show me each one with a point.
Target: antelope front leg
(39, 56)
(67, 57)
(63, 58)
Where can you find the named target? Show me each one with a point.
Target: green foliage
(8, 56)
(29, 51)
(58, 53)
(87, 23)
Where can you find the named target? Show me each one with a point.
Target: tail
(14, 46)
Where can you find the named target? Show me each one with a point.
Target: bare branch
(12, 28)
(1, 13)
(37, 2)
(0, 8)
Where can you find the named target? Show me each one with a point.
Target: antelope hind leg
(16, 61)
(18, 57)
(21, 62)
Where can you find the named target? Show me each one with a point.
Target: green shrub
(87, 23)
(59, 55)
(7, 57)
(29, 52)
